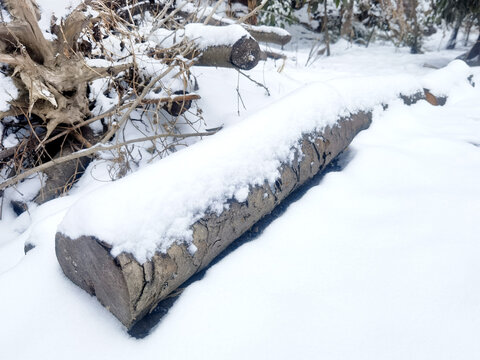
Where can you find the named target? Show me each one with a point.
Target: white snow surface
(8, 91)
(378, 261)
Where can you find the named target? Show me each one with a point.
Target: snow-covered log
(244, 54)
(130, 290)
(220, 46)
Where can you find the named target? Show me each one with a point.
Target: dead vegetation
(94, 74)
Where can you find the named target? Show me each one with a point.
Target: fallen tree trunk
(130, 290)
(244, 54)
(219, 46)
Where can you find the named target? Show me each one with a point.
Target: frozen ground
(379, 261)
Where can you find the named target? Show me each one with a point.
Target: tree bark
(325, 27)
(269, 35)
(252, 20)
(452, 42)
(473, 56)
(347, 27)
(62, 177)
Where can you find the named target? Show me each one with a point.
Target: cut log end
(245, 53)
(88, 264)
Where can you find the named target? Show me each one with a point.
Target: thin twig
(166, 18)
(137, 101)
(251, 13)
(255, 82)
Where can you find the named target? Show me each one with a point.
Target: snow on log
(131, 243)
(269, 34)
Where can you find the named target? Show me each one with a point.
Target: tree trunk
(130, 290)
(325, 27)
(62, 177)
(415, 46)
(270, 35)
(346, 30)
(452, 42)
(473, 56)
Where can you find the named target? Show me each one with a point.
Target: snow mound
(442, 81)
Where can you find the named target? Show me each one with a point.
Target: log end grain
(245, 53)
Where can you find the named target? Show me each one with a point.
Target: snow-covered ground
(378, 261)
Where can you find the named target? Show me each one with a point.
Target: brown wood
(430, 98)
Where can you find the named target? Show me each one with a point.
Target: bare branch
(25, 11)
(135, 104)
(94, 150)
(255, 82)
(251, 13)
(219, 2)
